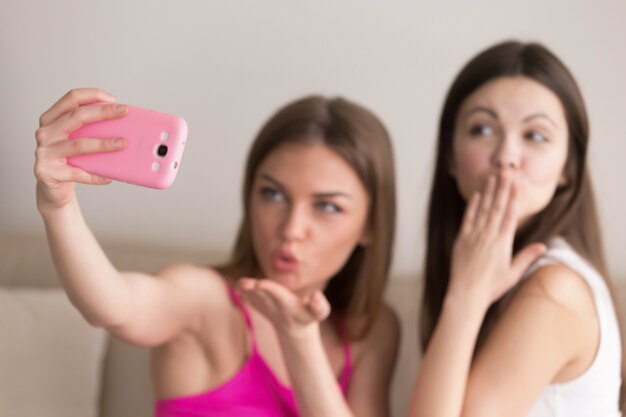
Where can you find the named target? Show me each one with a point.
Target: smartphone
(154, 147)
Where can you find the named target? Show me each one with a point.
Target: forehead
(515, 97)
(313, 167)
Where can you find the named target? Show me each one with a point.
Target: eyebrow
(482, 109)
(541, 116)
(282, 187)
(490, 112)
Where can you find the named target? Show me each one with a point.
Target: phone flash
(156, 166)
(165, 135)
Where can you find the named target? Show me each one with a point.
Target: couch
(54, 364)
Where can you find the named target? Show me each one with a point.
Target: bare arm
(548, 334)
(312, 379)
(544, 336)
(125, 303)
(482, 270)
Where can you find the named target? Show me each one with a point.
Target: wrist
(49, 208)
(57, 218)
(469, 303)
(50, 200)
(300, 336)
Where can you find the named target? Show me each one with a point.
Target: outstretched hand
(55, 177)
(290, 313)
(482, 260)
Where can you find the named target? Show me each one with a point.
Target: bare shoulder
(184, 272)
(375, 360)
(547, 332)
(560, 286)
(384, 335)
(387, 323)
(198, 282)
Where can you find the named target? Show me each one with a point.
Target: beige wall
(225, 67)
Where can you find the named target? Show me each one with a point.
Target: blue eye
(535, 136)
(481, 130)
(328, 207)
(271, 194)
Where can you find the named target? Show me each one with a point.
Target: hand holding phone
(154, 147)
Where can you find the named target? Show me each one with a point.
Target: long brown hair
(360, 138)
(571, 213)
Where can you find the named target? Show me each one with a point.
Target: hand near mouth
(290, 313)
(483, 262)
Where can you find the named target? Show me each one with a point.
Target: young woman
(511, 170)
(311, 336)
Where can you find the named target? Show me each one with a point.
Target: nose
(296, 223)
(507, 155)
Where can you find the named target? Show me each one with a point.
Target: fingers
(65, 116)
(484, 211)
(246, 284)
(60, 128)
(52, 168)
(264, 293)
(83, 177)
(281, 295)
(259, 297)
(53, 177)
(470, 214)
(487, 215)
(510, 218)
(501, 205)
(277, 301)
(73, 99)
(74, 147)
(318, 306)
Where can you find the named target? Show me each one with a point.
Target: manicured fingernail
(118, 142)
(120, 108)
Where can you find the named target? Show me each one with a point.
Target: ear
(562, 180)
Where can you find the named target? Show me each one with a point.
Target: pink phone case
(154, 146)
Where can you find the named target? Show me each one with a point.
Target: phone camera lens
(162, 150)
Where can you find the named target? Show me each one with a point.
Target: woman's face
(308, 211)
(516, 126)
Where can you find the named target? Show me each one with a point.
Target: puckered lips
(284, 261)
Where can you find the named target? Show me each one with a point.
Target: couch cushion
(50, 359)
(126, 385)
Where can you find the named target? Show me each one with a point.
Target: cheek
(334, 252)
(338, 241)
(336, 244)
(470, 166)
(472, 161)
(552, 165)
(544, 175)
(263, 223)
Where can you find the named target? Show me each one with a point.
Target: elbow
(96, 321)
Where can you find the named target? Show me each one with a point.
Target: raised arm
(138, 307)
(482, 270)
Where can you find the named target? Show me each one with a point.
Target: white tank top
(595, 393)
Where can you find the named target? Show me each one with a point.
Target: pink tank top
(253, 391)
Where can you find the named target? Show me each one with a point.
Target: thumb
(525, 258)
(318, 306)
